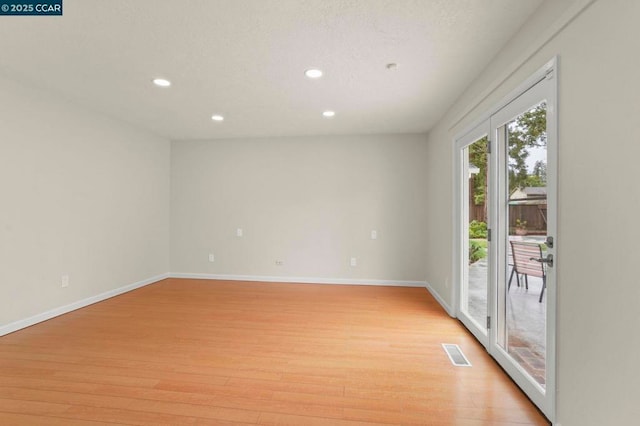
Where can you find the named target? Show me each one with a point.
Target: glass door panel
(523, 339)
(522, 302)
(473, 254)
(476, 250)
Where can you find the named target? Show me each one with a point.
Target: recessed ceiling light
(329, 114)
(217, 117)
(313, 73)
(161, 82)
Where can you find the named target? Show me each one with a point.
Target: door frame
(549, 71)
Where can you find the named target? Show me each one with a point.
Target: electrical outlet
(64, 281)
(239, 232)
(279, 262)
(374, 234)
(354, 261)
(212, 258)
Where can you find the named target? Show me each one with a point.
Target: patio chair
(525, 263)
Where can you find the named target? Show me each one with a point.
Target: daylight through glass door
(522, 303)
(475, 275)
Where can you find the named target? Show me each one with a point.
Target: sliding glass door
(506, 206)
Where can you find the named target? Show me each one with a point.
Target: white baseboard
(27, 322)
(301, 280)
(441, 301)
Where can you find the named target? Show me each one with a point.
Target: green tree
(527, 131)
(540, 171)
(478, 152)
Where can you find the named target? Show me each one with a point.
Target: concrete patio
(525, 318)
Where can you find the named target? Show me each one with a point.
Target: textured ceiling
(245, 59)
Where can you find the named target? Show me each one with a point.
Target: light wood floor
(182, 352)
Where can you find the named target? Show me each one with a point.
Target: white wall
(598, 240)
(310, 202)
(80, 194)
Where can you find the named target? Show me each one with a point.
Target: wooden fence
(535, 216)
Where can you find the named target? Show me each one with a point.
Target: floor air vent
(455, 355)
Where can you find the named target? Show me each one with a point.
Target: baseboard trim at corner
(35, 319)
(440, 300)
(298, 280)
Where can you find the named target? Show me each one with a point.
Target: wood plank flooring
(197, 352)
